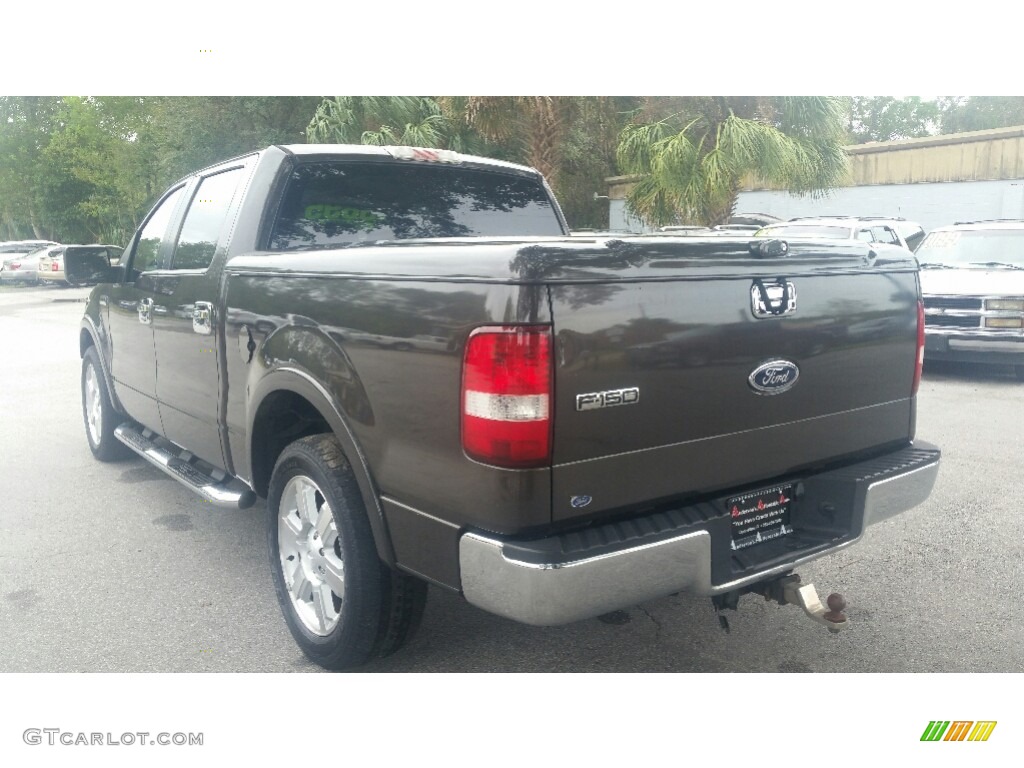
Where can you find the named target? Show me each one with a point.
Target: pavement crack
(657, 624)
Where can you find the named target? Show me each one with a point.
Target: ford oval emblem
(774, 377)
(580, 501)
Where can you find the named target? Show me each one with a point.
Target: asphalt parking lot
(115, 567)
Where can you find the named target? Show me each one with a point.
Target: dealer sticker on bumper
(760, 516)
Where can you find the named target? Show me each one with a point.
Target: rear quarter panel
(389, 353)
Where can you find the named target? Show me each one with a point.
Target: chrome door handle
(146, 311)
(202, 318)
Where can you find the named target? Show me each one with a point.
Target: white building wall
(619, 219)
(929, 204)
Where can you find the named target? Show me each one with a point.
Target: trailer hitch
(789, 590)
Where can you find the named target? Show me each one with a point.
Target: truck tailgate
(658, 354)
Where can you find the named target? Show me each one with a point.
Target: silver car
(19, 260)
(51, 262)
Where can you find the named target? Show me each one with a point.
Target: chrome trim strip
(419, 512)
(548, 594)
(979, 344)
(978, 332)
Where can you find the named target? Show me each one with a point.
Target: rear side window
(206, 215)
(336, 204)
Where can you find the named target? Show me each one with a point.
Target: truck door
(187, 326)
(130, 318)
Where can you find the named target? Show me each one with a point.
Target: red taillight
(15, 265)
(506, 396)
(919, 363)
(54, 267)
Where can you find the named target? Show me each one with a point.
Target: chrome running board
(223, 491)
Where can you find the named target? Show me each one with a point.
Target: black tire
(102, 443)
(380, 608)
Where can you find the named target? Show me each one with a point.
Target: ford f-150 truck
(429, 381)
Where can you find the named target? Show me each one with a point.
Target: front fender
(92, 335)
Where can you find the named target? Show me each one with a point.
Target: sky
(527, 47)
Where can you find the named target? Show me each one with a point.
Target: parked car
(972, 278)
(869, 229)
(19, 260)
(753, 219)
(51, 263)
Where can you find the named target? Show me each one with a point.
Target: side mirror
(90, 267)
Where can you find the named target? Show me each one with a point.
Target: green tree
(978, 113)
(691, 153)
(887, 118)
(26, 123)
(99, 169)
(191, 132)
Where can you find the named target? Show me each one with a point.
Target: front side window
(337, 204)
(206, 215)
(884, 235)
(147, 251)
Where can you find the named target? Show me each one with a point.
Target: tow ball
(789, 590)
(793, 592)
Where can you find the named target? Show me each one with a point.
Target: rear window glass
(337, 204)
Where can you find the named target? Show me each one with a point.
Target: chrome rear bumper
(564, 590)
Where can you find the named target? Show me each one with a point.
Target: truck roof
(386, 151)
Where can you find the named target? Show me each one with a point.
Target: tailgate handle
(774, 299)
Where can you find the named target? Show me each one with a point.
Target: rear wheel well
(283, 417)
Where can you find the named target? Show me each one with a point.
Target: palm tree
(533, 127)
(691, 153)
(389, 120)
(569, 139)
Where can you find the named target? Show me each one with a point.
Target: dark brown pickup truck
(429, 381)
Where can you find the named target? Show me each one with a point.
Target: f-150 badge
(608, 398)
(773, 377)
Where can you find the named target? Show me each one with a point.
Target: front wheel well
(282, 418)
(85, 340)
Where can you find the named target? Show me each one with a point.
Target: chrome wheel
(93, 405)
(310, 555)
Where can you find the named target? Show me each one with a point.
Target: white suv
(972, 278)
(870, 229)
